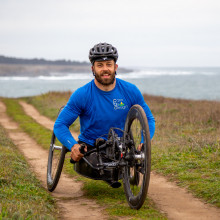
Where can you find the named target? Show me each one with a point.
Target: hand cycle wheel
(136, 175)
(55, 162)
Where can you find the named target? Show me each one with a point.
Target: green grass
(199, 171)
(49, 104)
(113, 199)
(35, 130)
(186, 145)
(21, 194)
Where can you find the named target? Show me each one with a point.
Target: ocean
(185, 83)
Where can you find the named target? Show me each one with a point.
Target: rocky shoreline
(45, 70)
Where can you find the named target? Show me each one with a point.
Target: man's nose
(104, 67)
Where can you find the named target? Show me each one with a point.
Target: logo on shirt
(119, 104)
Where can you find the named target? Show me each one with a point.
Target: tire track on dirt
(176, 202)
(71, 202)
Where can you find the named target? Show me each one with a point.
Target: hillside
(35, 61)
(10, 66)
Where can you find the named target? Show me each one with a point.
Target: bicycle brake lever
(82, 148)
(72, 161)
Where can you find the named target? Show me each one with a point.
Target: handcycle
(125, 155)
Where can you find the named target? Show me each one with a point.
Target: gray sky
(146, 33)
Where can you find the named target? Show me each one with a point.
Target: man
(101, 104)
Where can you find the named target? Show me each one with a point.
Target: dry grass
(186, 145)
(185, 122)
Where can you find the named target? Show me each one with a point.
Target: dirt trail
(70, 199)
(44, 121)
(176, 202)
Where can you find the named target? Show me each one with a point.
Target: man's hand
(140, 146)
(75, 153)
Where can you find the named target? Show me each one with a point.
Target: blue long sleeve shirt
(98, 111)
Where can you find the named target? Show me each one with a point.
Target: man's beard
(103, 81)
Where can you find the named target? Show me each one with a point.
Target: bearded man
(100, 104)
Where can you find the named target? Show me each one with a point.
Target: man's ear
(116, 67)
(92, 67)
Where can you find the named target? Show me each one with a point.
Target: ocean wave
(18, 78)
(144, 74)
(50, 78)
(157, 73)
(138, 74)
(66, 77)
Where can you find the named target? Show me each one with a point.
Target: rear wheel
(55, 162)
(137, 174)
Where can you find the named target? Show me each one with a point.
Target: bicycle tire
(55, 162)
(136, 186)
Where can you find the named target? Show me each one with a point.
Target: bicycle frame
(113, 169)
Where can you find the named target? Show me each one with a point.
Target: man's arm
(67, 116)
(151, 121)
(61, 128)
(150, 118)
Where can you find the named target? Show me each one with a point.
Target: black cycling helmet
(103, 51)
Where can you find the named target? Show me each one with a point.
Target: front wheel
(55, 163)
(137, 174)
(56, 159)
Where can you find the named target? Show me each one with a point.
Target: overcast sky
(145, 32)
